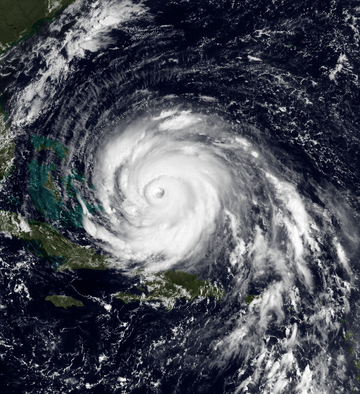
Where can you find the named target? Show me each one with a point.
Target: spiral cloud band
(213, 140)
(179, 188)
(162, 189)
(170, 183)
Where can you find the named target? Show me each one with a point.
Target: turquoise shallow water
(220, 139)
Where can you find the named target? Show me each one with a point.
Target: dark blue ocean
(245, 116)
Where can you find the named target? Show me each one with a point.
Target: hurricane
(188, 172)
(162, 189)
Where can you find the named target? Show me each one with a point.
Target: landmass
(21, 18)
(38, 237)
(40, 143)
(46, 197)
(348, 336)
(170, 286)
(65, 302)
(44, 241)
(250, 298)
(46, 185)
(7, 149)
(51, 186)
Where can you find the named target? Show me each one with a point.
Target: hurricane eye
(159, 193)
(190, 170)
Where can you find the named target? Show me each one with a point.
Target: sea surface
(218, 138)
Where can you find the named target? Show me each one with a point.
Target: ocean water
(218, 138)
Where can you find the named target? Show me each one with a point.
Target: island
(47, 187)
(250, 298)
(40, 143)
(169, 286)
(44, 241)
(61, 301)
(7, 149)
(41, 238)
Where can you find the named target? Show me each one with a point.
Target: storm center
(159, 192)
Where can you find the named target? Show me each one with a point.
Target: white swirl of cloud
(180, 186)
(162, 193)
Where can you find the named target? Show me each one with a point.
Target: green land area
(45, 187)
(46, 197)
(250, 298)
(40, 143)
(7, 149)
(38, 237)
(65, 302)
(18, 20)
(348, 336)
(21, 18)
(44, 241)
(169, 286)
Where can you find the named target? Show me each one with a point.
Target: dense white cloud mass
(171, 183)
